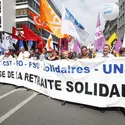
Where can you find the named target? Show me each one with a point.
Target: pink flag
(76, 47)
(99, 37)
(118, 45)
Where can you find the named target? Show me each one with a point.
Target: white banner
(95, 82)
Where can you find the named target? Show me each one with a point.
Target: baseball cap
(7, 52)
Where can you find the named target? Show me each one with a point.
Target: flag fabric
(118, 45)
(2, 51)
(99, 37)
(21, 44)
(112, 40)
(41, 45)
(63, 45)
(38, 22)
(72, 27)
(48, 15)
(77, 47)
(30, 35)
(49, 44)
(16, 34)
(8, 41)
(30, 43)
(123, 44)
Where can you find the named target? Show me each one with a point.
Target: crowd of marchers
(54, 55)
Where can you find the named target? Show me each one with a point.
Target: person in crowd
(113, 44)
(14, 54)
(7, 55)
(115, 53)
(84, 53)
(37, 53)
(122, 52)
(65, 55)
(57, 54)
(17, 53)
(51, 55)
(44, 54)
(93, 53)
(32, 55)
(23, 53)
(89, 52)
(71, 55)
(106, 52)
(1, 54)
(78, 55)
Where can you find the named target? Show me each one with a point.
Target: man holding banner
(23, 54)
(106, 52)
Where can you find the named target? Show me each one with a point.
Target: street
(21, 107)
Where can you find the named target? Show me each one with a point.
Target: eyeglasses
(84, 50)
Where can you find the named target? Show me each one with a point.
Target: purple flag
(77, 47)
(118, 45)
(99, 37)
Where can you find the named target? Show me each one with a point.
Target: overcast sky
(86, 12)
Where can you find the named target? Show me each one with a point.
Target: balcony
(20, 2)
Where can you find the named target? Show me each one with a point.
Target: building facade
(121, 19)
(110, 28)
(7, 15)
(117, 25)
(17, 14)
(23, 17)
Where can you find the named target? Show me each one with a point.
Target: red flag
(63, 44)
(37, 20)
(41, 45)
(16, 34)
(30, 35)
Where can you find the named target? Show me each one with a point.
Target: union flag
(38, 22)
(16, 34)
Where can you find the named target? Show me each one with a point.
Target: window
(18, 25)
(55, 38)
(0, 21)
(38, 1)
(45, 33)
(0, 6)
(34, 5)
(18, 1)
(22, 12)
(123, 6)
(123, 18)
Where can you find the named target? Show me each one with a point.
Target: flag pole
(113, 47)
(40, 32)
(60, 48)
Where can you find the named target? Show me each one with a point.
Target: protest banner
(96, 82)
